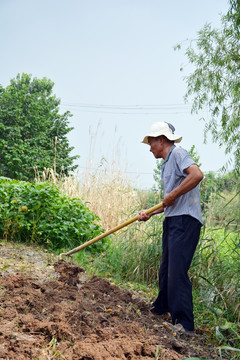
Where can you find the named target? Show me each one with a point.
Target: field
(97, 305)
(52, 309)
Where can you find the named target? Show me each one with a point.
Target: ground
(52, 309)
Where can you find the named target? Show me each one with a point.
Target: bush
(40, 213)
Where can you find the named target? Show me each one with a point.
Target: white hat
(162, 128)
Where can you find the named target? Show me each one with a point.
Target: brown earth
(52, 309)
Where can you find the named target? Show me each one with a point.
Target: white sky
(117, 54)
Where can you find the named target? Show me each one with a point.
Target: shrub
(40, 213)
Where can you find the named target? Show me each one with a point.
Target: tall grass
(103, 186)
(106, 191)
(216, 268)
(135, 253)
(223, 210)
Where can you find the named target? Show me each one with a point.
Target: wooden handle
(116, 228)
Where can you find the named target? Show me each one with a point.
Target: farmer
(180, 177)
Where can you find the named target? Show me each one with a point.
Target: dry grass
(104, 188)
(107, 192)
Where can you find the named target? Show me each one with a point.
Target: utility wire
(130, 109)
(135, 113)
(134, 107)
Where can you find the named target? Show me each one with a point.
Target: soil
(52, 309)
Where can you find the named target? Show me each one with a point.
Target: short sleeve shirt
(172, 174)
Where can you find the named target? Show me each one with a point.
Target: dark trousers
(180, 238)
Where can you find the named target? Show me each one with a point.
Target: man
(180, 177)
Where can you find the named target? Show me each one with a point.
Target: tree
(32, 132)
(215, 81)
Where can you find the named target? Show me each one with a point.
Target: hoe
(109, 232)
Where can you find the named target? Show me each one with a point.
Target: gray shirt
(172, 175)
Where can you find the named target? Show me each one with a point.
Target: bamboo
(109, 232)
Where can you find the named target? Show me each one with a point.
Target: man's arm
(191, 181)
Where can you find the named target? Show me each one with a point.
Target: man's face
(156, 146)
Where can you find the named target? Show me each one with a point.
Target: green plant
(40, 213)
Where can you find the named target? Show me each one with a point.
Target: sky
(115, 69)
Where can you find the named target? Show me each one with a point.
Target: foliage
(40, 213)
(215, 81)
(32, 132)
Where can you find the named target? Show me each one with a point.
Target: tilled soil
(54, 310)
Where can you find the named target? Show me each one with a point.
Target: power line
(135, 113)
(164, 109)
(128, 107)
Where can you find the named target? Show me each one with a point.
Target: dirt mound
(58, 312)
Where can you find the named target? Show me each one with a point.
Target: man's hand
(142, 216)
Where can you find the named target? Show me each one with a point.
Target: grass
(217, 263)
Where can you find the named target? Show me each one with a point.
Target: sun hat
(162, 128)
